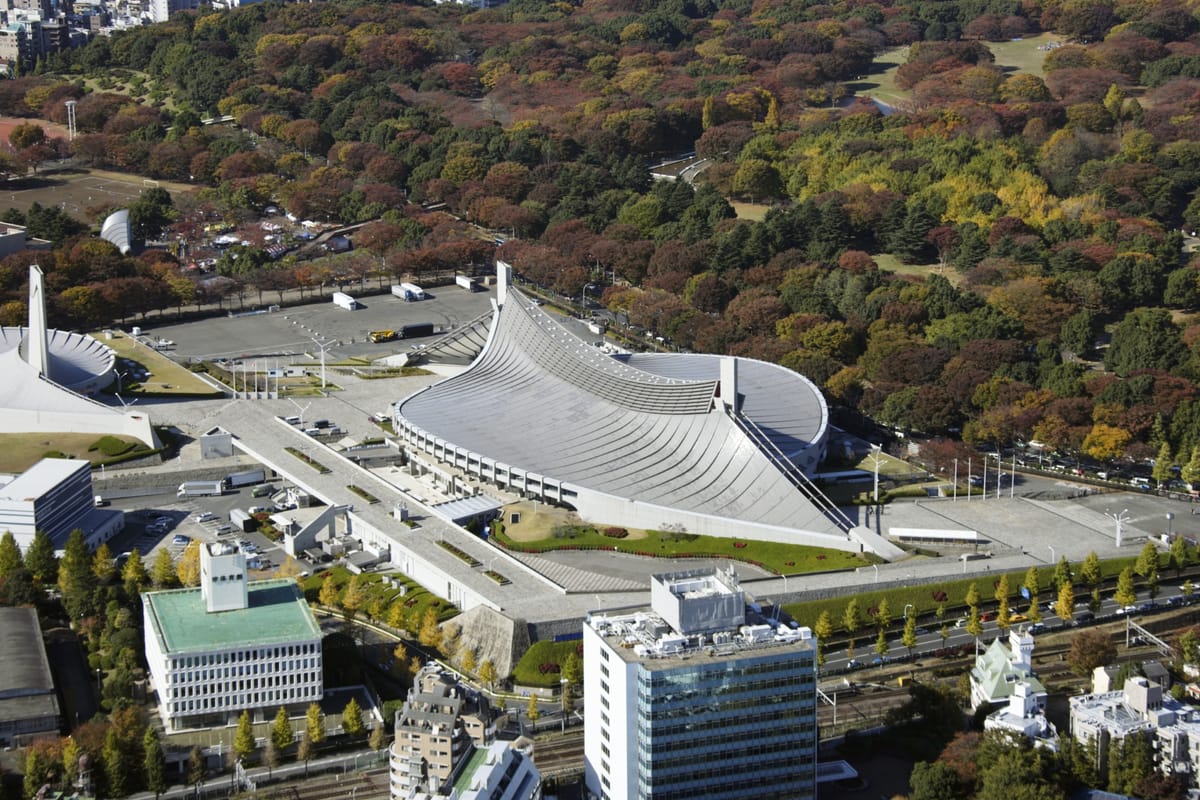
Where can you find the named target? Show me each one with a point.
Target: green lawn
(779, 558)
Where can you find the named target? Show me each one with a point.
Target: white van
(292, 420)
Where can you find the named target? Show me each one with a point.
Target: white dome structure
(117, 229)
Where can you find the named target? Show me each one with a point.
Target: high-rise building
(698, 696)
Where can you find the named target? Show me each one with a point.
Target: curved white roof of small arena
(643, 427)
(77, 361)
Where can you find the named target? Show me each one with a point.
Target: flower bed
(467, 558)
(363, 493)
(497, 577)
(307, 459)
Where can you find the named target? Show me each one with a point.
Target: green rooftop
(277, 614)
(478, 757)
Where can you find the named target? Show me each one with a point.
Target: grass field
(166, 377)
(20, 451)
(751, 211)
(889, 262)
(1021, 55)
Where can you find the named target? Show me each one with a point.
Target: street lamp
(907, 606)
(1053, 559)
(1170, 517)
(1120, 520)
(563, 681)
(876, 568)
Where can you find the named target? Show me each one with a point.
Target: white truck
(248, 478)
(343, 300)
(467, 282)
(408, 292)
(201, 489)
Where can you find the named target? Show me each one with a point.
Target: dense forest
(1057, 301)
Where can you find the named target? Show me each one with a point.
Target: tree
(572, 668)
(352, 719)
(1146, 565)
(468, 661)
(188, 568)
(430, 634)
(329, 596)
(134, 574)
(41, 560)
(104, 566)
(10, 556)
(163, 573)
(1062, 572)
(531, 709)
(243, 738)
(883, 614)
(377, 739)
(936, 781)
(1125, 595)
(881, 645)
(304, 751)
(116, 769)
(1191, 470)
(314, 724)
(1161, 471)
(823, 628)
(1090, 571)
(37, 770)
(75, 579)
(487, 673)
(1064, 606)
(909, 637)
(1032, 578)
(851, 621)
(281, 730)
(196, 769)
(1002, 610)
(975, 624)
(154, 764)
(1090, 649)
(354, 598)
(1145, 339)
(270, 756)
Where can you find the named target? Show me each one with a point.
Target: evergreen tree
(378, 738)
(153, 762)
(1191, 470)
(116, 769)
(10, 556)
(823, 629)
(883, 614)
(41, 560)
(37, 770)
(1161, 471)
(76, 581)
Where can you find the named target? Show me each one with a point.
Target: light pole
(563, 682)
(875, 459)
(324, 345)
(1120, 520)
(956, 480)
(301, 408)
(1053, 559)
(1170, 517)
(907, 606)
(876, 568)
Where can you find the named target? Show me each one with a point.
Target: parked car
(181, 540)
(205, 516)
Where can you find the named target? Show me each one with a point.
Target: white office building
(231, 645)
(697, 697)
(55, 495)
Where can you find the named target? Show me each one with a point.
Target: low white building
(55, 495)
(231, 645)
(1024, 716)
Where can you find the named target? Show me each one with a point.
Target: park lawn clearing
(165, 376)
(20, 451)
(888, 262)
(755, 212)
(541, 665)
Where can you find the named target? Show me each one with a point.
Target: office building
(698, 696)
(231, 645)
(55, 495)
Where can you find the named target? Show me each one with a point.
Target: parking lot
(288, 335)
(153, 522)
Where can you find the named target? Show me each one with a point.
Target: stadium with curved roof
(75, 361)
(709, 444)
